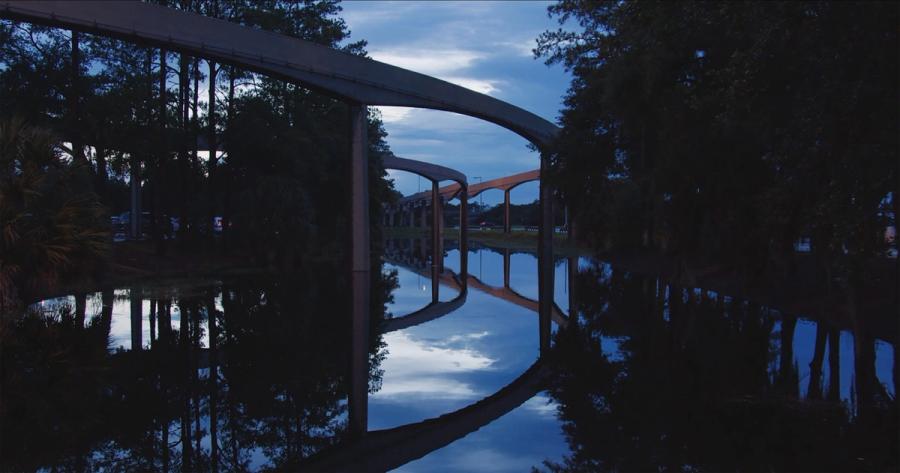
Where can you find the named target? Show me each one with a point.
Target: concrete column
(213, 386)
(360, 266)
(464, 236)
(135, 197)
(506, 268)
(545, 257)
(437, 238)
(507, 226)
(153, 310)
(573, 274)
(411, 221)
(136, 316)
(423, 215)
(441, 229)
(80, 309)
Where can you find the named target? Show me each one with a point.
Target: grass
(516, 240)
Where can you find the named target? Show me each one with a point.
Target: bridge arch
(357, 80)
(336, 73)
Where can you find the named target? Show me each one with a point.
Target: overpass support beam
(506, 268)
(437, 238)
(360, 268)
(135, 219)
(545, 258)
(507, 226)
(423, 215)
(464, 236)
(136, 318)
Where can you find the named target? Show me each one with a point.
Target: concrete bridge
(383, 450)
(356, 80)
(409, 261)
(506, 184)
(438, 276)
(435, 174)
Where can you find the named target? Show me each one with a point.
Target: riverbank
(516, 240)
(797, 291)
(137, 262)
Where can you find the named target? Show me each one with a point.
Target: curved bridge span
(506, 184)
(356, 80)
(336, 73)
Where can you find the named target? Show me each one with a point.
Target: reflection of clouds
(463, 338)
(489, 459)
(413, 368)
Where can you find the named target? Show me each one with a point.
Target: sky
(484, 46)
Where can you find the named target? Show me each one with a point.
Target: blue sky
(484, 46)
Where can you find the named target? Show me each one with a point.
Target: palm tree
(51, 223)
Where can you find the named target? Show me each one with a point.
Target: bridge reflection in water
(662, 364)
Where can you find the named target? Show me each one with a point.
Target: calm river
(252, 373)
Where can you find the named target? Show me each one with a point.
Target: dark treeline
(181, 139)
(653, 376)
(519, 214)
(722, 132)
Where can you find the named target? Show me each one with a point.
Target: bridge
(409, 261)
(435, 174)
(506, 184)
(355, 80)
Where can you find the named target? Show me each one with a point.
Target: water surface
(252, 373)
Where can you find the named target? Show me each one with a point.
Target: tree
(737, 127)
(53, 227)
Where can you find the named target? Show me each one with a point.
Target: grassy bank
(516, 240)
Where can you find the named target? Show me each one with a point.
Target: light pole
(481, 198)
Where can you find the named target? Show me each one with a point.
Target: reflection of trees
(270, 383)
(51, 379)
(691, 388)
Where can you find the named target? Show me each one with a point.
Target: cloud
(521, 48)
(394, 114)
(434, 62)
(445, 64)
(488, 460)
(541, 405)
(484, 86)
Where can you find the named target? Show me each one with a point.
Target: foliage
(651, 376)
(52, 224)
(741, 126)
(143, 118)
(277, 396)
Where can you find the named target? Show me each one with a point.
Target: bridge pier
(360, 268)
(464, 235)
(437, 223)
(545, 257)
(507, 225)
(573, 274)
(136, 316)
(506, 268)
(135, 219)
(423, 216)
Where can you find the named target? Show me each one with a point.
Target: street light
(481, 195)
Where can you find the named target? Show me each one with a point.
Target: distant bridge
(506, 184)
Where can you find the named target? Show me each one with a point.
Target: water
(252, 373)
